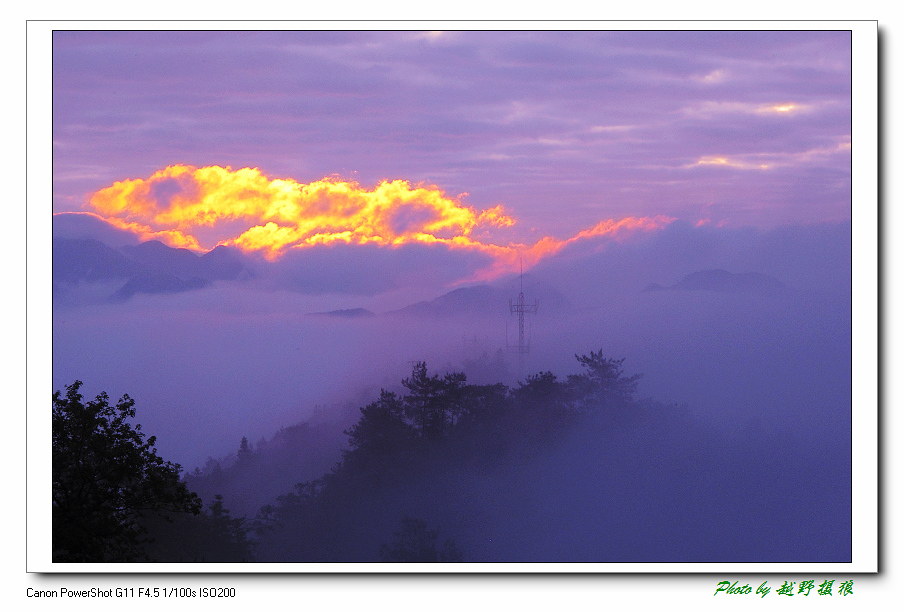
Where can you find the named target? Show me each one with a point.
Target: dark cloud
(368, 270)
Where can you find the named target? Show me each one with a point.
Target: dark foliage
(106, 480)
(211, 536)
(414, 542)
(573, 470)
(434, 403)
(116, 500)
(405, 446)
(603, 384)
(382, 437)
(258, 473)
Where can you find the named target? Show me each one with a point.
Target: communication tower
(521, 307)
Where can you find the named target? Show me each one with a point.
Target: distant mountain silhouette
(147, 268)
(157, 284)
(346, 313)
(719, 280)
(222, 263)
(155, 257)
(89, 260)
(478, 299)
(485, 300)
(82, 225)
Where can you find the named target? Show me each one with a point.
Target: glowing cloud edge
(274, 216)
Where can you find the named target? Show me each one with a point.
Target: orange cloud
(273, 215)
(509, 258)
(199, 208)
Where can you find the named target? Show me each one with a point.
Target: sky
(503, 144)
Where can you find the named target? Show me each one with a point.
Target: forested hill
(552, 470)
(572, 470)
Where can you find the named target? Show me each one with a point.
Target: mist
(212, 365)
(204, 379)
(746, 380)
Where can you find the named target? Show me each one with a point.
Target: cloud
(768, 161)
(731, 162)
(716, 76)
(281, 214)
(371, 270)
(607, 129)
(710, 109)
(518, 118)
(199, 208)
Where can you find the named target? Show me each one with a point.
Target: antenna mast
(520, 307)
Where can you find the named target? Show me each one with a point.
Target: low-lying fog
(210, 366)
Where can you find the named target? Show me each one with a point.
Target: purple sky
(564, 129)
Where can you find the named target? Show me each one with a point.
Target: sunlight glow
(782, 108)
(283, 214)
(715, 160)
(246, 209)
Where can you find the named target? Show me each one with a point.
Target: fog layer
(238, 358)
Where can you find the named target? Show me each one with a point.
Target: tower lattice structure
(522, 308)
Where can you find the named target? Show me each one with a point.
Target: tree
(211, 536)
(244, 452)
(227, 536)
(417, 543)
(433, 403)
(381, 437)
(381, 425)
(482, 405)
(603, 383)
(544, 403)
(106, 480)
(422, 401)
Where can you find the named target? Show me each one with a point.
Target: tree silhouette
(405, 449)
(422, 401)
(417, 543)
(433, 403)
(211, 536)
(381, 434)
(106, 479)
(244, 452)
(227, 536)
(603, 383)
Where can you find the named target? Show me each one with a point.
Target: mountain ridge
(147, 268)
(720, 280)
